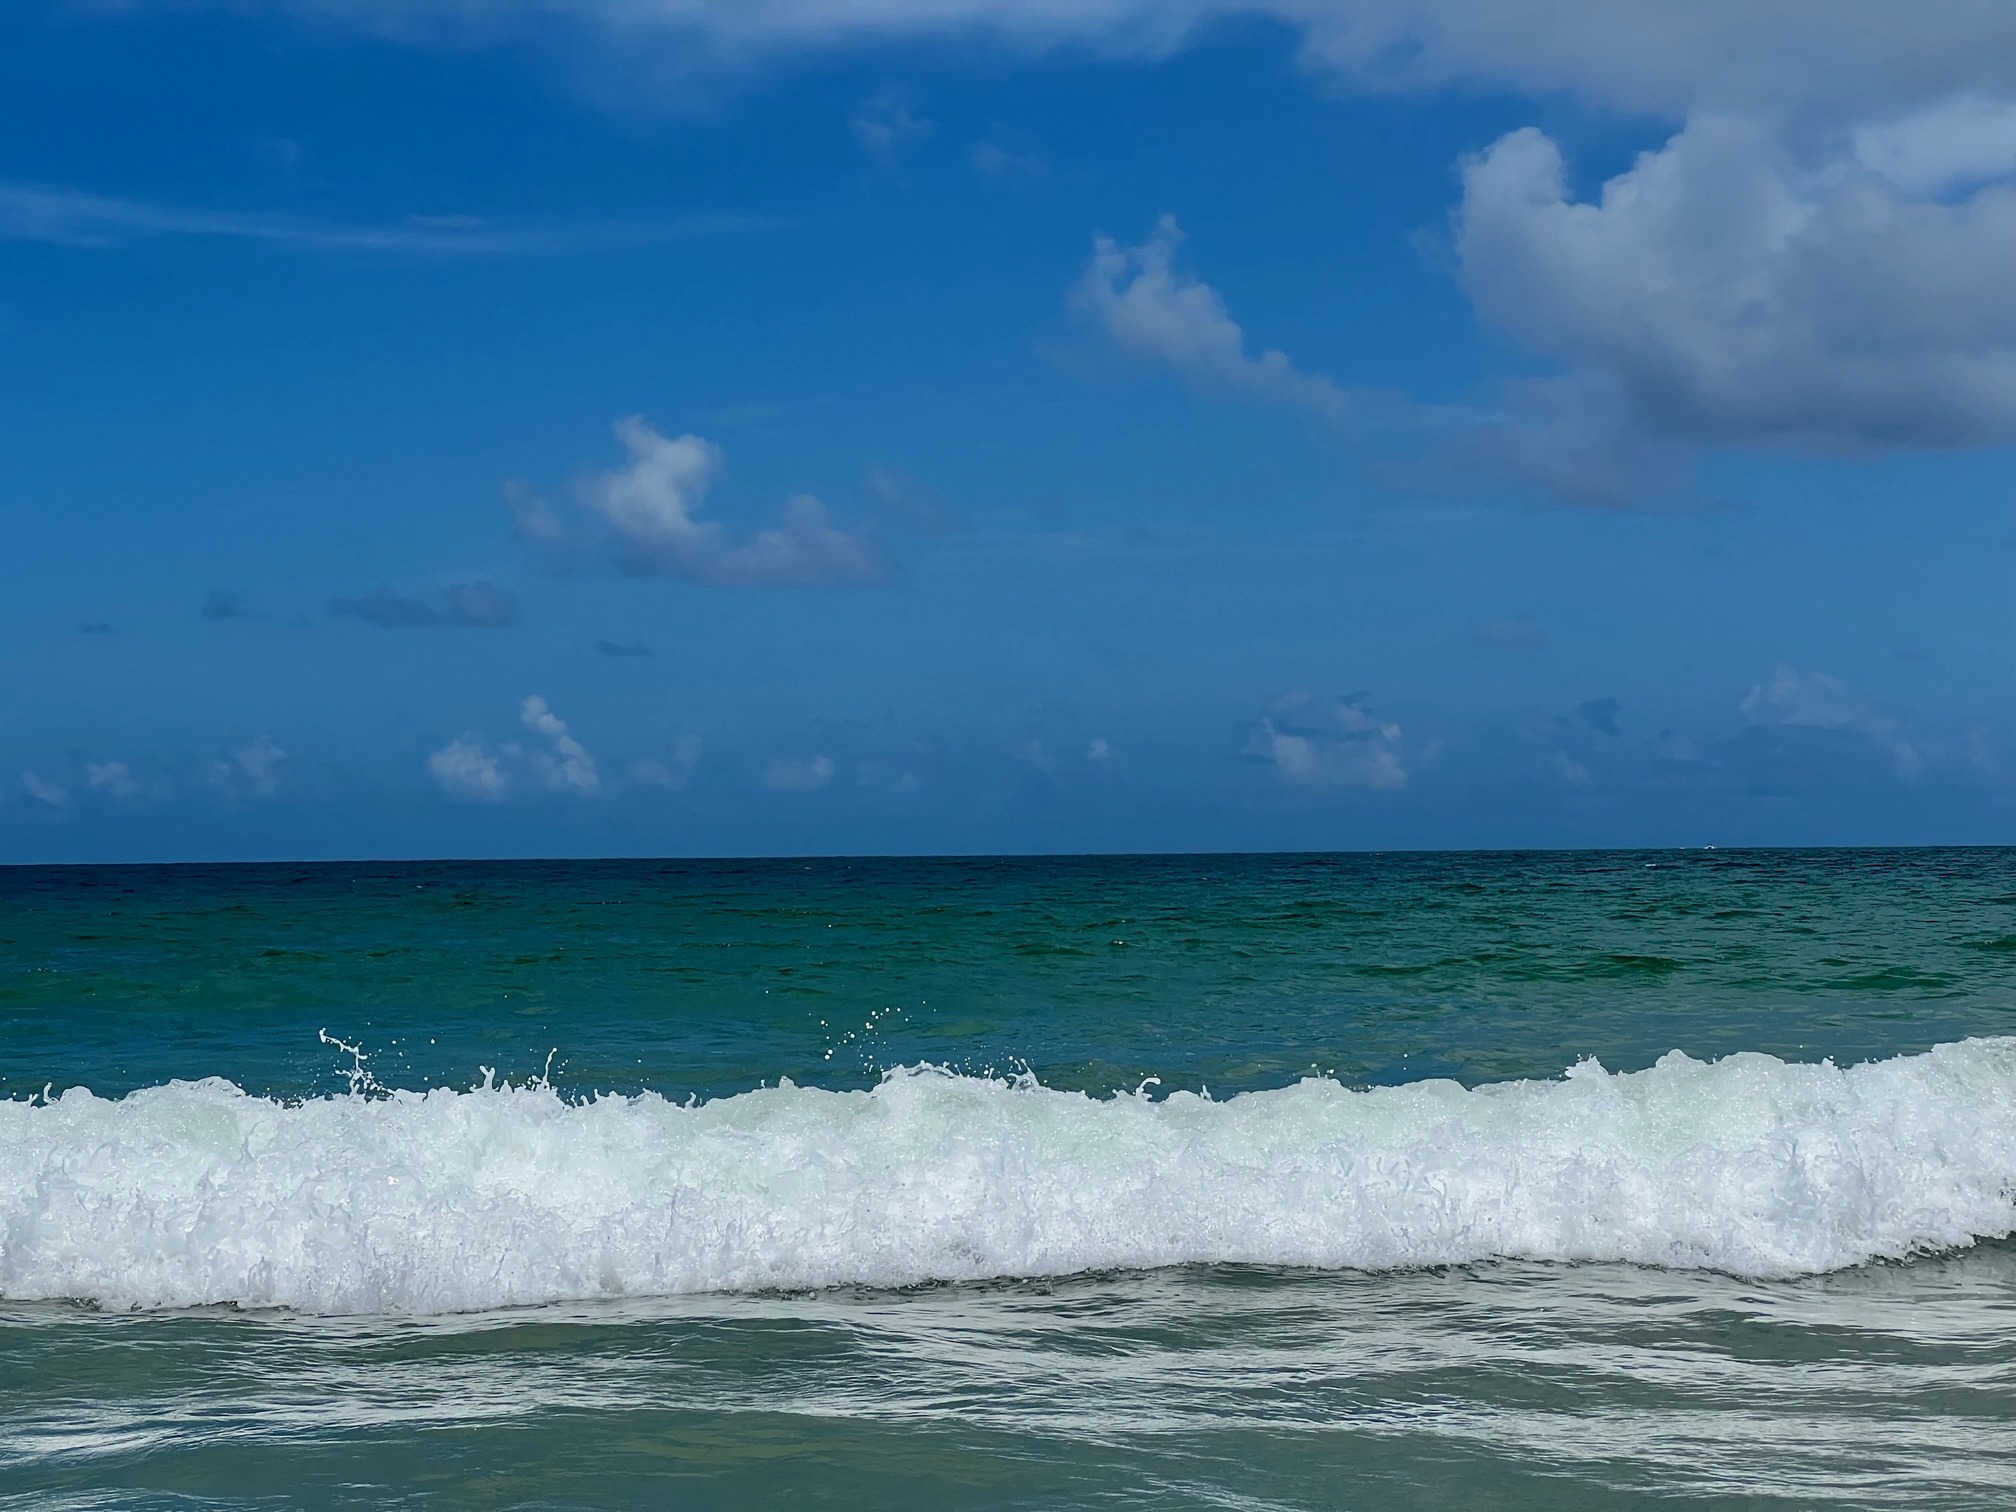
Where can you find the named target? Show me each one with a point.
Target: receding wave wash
(195, 1192)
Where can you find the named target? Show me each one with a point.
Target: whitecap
(196, 1192)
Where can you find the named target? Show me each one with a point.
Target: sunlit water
(1292, 1272)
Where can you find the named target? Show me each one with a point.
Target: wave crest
(196, 1192)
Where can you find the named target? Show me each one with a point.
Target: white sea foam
(195, 1192)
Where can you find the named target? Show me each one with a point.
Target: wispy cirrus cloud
(1640, 55)
(72, 217)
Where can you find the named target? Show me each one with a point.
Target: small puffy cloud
(49, 794)
(1726, 290)
(672, 775)
(785, 775)
(992, 160)
(565, 765)
(478, 605)
(1509, 635)
(533, 517)
(81, 781)
(468, 769)
(1338, 745)
(652, 503)
(1790, 699)
(886, 124)
(258, 760)
(647, 514)
(251, 771)
(112, 778)
(909, 503)
(1098, 751)
(1157, 312)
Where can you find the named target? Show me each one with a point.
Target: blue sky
(947, 425)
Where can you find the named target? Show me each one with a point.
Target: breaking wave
(410, 1202)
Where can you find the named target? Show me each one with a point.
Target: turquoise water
(1241, 1181)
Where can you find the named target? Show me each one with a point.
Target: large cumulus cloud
(1726, 290)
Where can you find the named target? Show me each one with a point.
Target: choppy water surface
(1236, 1182)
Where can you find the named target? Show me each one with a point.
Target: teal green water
(1516, 1380)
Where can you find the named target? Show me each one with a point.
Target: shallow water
(1229, 1383)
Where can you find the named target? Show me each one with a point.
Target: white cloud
(1722, 291)
(1335, 746)
(992, 160)
(112, 778)
(1958, 143)
(1642, 55)
(554, 759)
(50, 794)
(533, 517)
(1655, 55)
(1817, 260)
(1099, 750)
(886, 123)
(250, 771)
(565, 766)
(82, 781)
(1156, 312)
(652, 501)
(78, 218)
(649, 511)
(784, 775)
(467, 768)
(649, 771)
(909, 503)
(1789, 698)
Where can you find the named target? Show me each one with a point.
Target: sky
(704, 427)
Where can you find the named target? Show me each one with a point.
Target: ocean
(1303, 1181)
